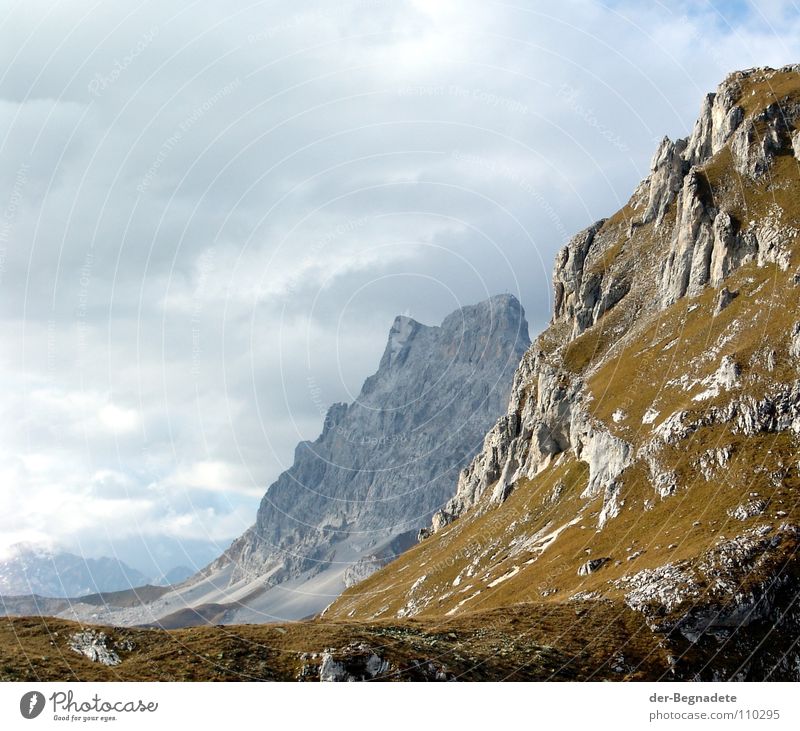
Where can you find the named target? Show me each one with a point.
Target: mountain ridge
(646, 457)
(356, 497)
(34, 569)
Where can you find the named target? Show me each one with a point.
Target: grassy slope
(524, 643)
(631, 361)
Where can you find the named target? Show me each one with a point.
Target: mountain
(173, 576)
(357, 496)
(384, 464)
(633, 515)
(48, 573)
(648, 459)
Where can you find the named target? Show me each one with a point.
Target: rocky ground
(521, 643)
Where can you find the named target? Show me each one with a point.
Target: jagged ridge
(647, 455)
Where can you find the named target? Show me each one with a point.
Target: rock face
(386, 462)
(357, 496)
(706, 244)
(648, 453)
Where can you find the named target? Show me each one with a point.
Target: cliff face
(685, 230)
(386, 462)
(648, 454)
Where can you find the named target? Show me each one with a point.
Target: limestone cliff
(386, 462)
(648, 453)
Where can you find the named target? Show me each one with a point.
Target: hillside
(521, 644)
(648, 459)
(634, 514)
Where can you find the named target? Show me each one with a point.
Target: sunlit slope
(650, 454)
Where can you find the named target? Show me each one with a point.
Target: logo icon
(32, 704)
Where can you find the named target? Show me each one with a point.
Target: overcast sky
(210, 213)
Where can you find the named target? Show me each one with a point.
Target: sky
(210, 214)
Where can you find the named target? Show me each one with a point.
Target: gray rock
(719, 118)
(355, 663)
(592, 565)
(666, 177)
(688, 264)
(794, 341)
(748, 510)
(756, 142)
(575, 295)
(95, 646)
(724, 298)
(385, 463)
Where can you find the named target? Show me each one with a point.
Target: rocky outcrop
(708, 243)
(719, 117)
(358, 662)
(763, 136)
(98, 647)
(724, 298)
(575, 294)
(687, 267)
(546, 417)
(386, 462)
(666, 177)
(730, 250)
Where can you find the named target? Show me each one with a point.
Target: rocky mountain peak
(400, 336)
(647, 459)
(384, 463)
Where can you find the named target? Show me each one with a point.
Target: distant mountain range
(51, 573)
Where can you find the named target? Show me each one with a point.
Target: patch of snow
(650, 416)
(461, 604)
(513, 572)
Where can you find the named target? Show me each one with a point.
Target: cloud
(210, 219)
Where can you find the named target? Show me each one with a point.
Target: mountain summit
(31, 569)
(648, 459)
(384, 464)
(358, 495)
